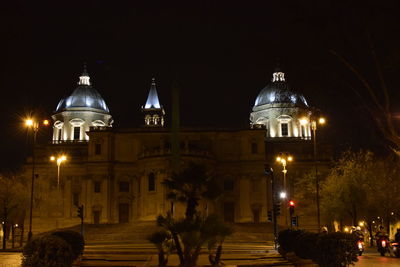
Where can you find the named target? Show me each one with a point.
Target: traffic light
(270, 216)
(291, 207)
(80, 212)
(277, 208)
(294, 221)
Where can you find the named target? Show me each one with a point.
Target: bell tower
(153, 111)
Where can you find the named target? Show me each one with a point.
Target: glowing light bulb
(29, 122)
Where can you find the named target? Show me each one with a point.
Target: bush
(305, 245)
(287, 239)
(74, 239)
(328, 250)
(336, 249)
(47, 251)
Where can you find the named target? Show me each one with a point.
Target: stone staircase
(251, 233)
(130, 232)
(137, 232)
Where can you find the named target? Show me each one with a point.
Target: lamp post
(58, 160)
(270, 172)
(34, 125)
(284, 159)
(314, 129)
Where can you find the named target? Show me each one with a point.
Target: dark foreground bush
(305, 245)
(47, 251)
(328, 250)
(336, 249)
(74, 239)
(287, 239)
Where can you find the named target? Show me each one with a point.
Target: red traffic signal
(291, 203)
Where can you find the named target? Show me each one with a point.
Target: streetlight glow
(282, 195)
(60, 159)
(303, 121)
(321, 120)
(29, 122)
(46, 122)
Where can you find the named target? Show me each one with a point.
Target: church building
(117, 174)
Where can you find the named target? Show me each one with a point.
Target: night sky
(221, 53)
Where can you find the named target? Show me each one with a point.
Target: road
(371, 258)
(234, 254)
(10, 259)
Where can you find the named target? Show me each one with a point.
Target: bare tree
(376, 97)
(13, 202)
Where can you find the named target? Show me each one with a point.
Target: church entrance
(123, 210)
(256, 215)
(96, 217)
(229, 211)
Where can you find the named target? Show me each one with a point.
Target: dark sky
(222, 53)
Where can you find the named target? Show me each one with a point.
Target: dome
(279, 91)
(84, 96)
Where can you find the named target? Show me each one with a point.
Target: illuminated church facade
(117, 174)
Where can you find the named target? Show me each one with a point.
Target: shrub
(74, 239)
(305, 245)
(336, 249)
(287, 239)
(47, 251)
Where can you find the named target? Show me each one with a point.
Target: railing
(158, 152)
(99, 128)
(69, 141)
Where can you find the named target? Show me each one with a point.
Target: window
(75, 199)
(97, 149)
(152, 182)
(284, 129)
(229, 185)
(123, 186)
(303, 131)
(59, 137)
(77, 133)
(254, 148)
(97, 187)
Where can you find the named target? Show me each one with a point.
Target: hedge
(74, 239)
(47, 251)
(54, 249)
(328, 250)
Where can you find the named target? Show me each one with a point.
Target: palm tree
(190, 185)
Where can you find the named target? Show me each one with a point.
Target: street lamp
(314, 122)
(284, 159)
(58, 160)
(30, 123)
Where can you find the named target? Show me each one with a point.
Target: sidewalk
(272, 259)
